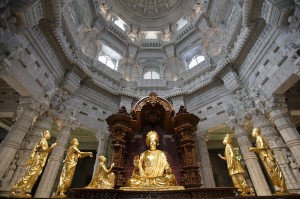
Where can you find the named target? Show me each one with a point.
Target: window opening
(196, 60)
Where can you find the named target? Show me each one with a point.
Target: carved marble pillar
(42, 122)
(284, 125)
(208, 177)
(184, 128)
(102, 138)
(279, 148)
(126, 102)
(256, 174)
(27, 113)
(55, 159)
(119, 153)
(120, 128)
(18, 165)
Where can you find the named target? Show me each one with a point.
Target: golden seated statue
(151, 169)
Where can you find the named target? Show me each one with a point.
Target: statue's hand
(136, 161)
(90, 154)
(112, 165)
(53, 145)
(251, 149)
(221, 156)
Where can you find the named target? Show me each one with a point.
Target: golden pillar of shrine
(121, 132)
(184, 127)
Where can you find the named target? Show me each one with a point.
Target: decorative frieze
(145, 83)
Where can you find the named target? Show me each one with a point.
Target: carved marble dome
(151, 14)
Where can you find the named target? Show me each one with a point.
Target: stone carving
(59, 100)
(9, 173)
(290, 39)
(150, 9)
(167, 32)
(133, 32)
(106, 11)
(293, 164)
(197, 9)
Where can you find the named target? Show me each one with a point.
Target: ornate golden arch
(153, 99)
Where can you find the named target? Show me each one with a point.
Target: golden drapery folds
(103, 178)
(235, 169)
(268, 159)
(34, 166)
(69, 167)
(151, 169)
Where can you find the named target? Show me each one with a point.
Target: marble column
(42, 122)
(279, 148)
(102, 138)
(27, 113)
(208, 177)
(284, 125)
(54, 161)
(255, 171)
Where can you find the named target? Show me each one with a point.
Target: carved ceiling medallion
(150, 8)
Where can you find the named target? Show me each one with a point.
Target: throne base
(203, 193)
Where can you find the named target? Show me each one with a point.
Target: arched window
(109, 57)
(196, 60)
(107, 61)
(120, 23)
(151, 73)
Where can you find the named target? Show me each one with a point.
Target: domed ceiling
(150, 14)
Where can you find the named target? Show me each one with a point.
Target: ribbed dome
(150, 8)
(150, 14)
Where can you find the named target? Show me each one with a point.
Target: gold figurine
(69, 167)
(104, 178)
(151, 169)
(235, 169)
(268, 159)
(34, 166)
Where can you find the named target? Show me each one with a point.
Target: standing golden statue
(103, 178)
(151, 169)
(268, 159)
(34, 166)
(235, 169)
(69, 167)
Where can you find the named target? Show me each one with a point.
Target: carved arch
(153, 99)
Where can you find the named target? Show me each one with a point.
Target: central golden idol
(151, 169)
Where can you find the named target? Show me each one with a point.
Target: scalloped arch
(153, 98)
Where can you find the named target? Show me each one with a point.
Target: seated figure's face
(152, 144)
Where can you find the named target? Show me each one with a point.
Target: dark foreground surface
(203, 193)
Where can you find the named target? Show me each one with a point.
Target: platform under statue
(151, 169)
